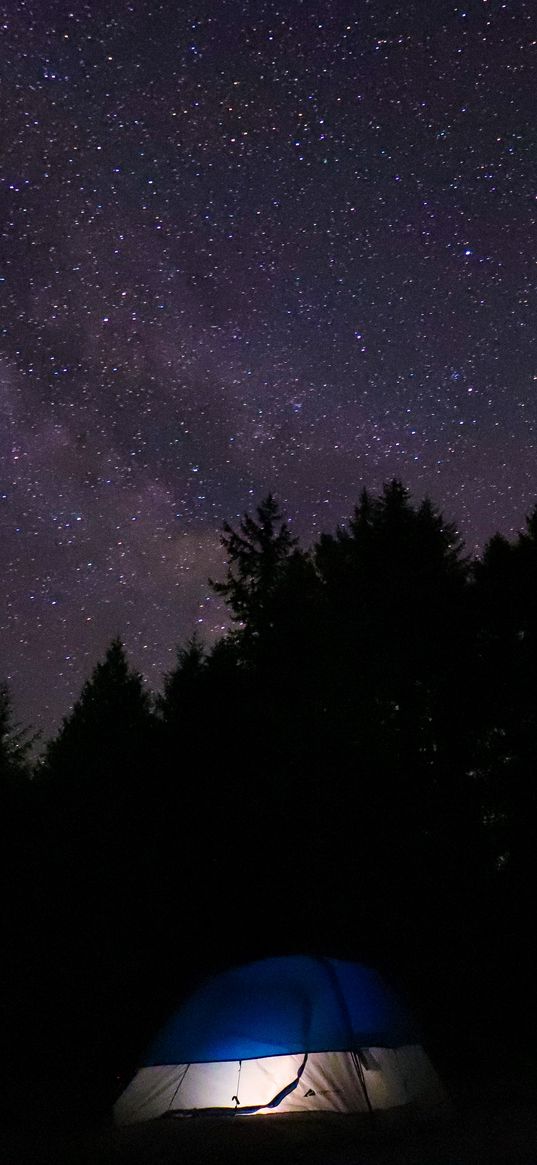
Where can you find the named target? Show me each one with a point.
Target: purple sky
(285, 246)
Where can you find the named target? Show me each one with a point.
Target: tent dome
(295, 1034)
(283, 1005)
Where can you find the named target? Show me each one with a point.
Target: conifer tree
(181, 685)
(16, 743)
(257, 554)
(109, 727)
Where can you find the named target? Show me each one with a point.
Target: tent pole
(360, 1071)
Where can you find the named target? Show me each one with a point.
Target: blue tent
(284, 1035)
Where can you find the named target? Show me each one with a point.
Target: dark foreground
(479, 1137)
(498, 1130)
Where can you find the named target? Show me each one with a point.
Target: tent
(284, 1035)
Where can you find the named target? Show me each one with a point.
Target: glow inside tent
(284, 1035)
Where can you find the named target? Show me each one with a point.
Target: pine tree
(16, 743)
(505, 714)
(182, 684)
(257, 555)
(109, 728)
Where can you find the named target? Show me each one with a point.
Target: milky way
(249, 246)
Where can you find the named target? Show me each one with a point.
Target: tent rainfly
(295, 1034)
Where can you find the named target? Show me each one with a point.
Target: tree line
(351, 768)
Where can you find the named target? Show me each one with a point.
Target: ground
(494, 1128)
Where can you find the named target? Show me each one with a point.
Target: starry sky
(249, 245)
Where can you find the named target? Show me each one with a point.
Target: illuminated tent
(284, 1035)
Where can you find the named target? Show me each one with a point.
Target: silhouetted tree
(16, 743)
(396, 660)
(180, 696)
(391, 579)
(506, 713)
(102, 780)
(107, 725)
(17, 821)
(257, 555)
(505, 758)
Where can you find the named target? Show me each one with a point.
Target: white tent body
(375, 1079)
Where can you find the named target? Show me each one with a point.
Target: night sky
(249, 246)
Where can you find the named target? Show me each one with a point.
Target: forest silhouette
(350, 769)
